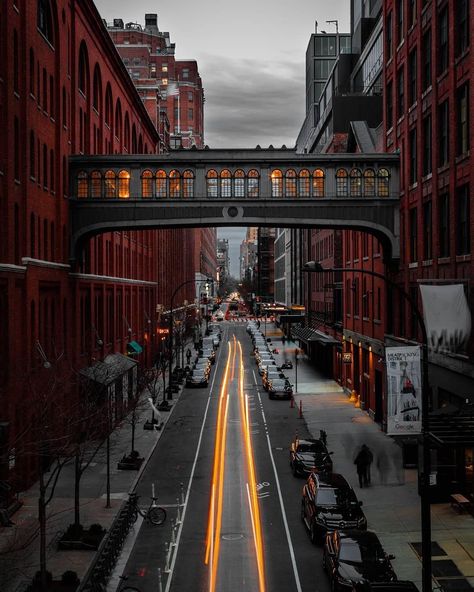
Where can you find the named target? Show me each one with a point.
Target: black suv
(329, 503)
(309, 455)
(354, 557)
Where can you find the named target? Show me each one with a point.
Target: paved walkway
(391, 503)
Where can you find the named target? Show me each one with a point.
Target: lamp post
(207, 281)
(315, 267)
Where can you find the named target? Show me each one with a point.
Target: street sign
(347, 357)
(162, 331)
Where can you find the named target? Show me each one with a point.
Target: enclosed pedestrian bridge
(274, 188)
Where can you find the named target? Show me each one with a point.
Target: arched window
(82, 184)
(253, 180)
(32, 235)
(383, 183)
(161, 186)
(356, 183)
(45, 20)
(96, 184)
(226, 183)
(109, 109)
(277, 183)
(134, 139)
(32, 71)
(239, 183)
(188, 184)
(97, 90)
(124, 185)
(369, 183)
(290, 183)
(341, 183)
(147, 184)
(318, 183)
(110, 184)
(303, 183)
(32, 155)
(83, 80)
(52, 181)
(126, 140)
(211, 182)
(118, 123)
(45, 166)
(175, 184)
(140, 144)
(64, 107)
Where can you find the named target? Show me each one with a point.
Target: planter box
(55, 587)
(130, 464)
(87, 542)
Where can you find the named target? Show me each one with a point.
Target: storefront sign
(347, 358)
(403, 390)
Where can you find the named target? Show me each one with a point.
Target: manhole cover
(233, 536)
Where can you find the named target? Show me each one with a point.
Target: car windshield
(278, 383)
(311, 447)
(329, 496)
(359, 552)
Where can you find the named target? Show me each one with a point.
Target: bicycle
(154, 514)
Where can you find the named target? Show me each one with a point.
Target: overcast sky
(251, 57)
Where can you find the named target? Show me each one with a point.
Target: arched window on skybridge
(277, 183)
(369, 183)
(147, 184)
(303, 183)
(124, 185)
(96, 184)
(290, 183)
(226, 183)
(383, 181)
(110, 184)
(239, 183)
(82, 184)
(161, 184)
(175, 184)
(318, 183)
(211, 183)
(341, 183)
(253, 183)
(188, 184)
(356, 183)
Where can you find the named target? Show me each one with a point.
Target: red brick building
(64, 90)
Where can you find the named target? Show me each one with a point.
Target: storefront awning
(107, 371)
(308, 335)
(134, 348)
(290, 318)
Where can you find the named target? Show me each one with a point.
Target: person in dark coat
(362, 462)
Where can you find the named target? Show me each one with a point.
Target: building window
(303, 183)
(427, 232)
(190, 96)
(83, 70)
(110, 184)
(426, 60)
(341, 183)
(82, 184)
(365, 314)
(161, 184)
(389, 36)
(355, 297)
(277, 183)
(443, 41)
(32, 155)
(348, 297)
(411, 13)
(443, 131)
(45, 20)
(185, 73)
(356, 183)
(412, 77)
(52, 105)
(462, 116)
(45, 166)
(45, 90)
(318, 183)
(96, 184)
(413, 157)
(175, 184)
(399, 14)
(325, 45)
(413, 221)
(383, 183)
(444, 232)
(462, 25)
(253, 183)
(239, 183)
(190, 113)
(97, 91)
(164, 67)
(369, 183)
(290, 183)
(188, 184)
(400, 93)
(226, 183)
(147, 184)
(16, 63)
(463, 233)
(389, 105)
(32, 71)
(211, 181)
(427, 166)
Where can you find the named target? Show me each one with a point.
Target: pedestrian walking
(382, 464)
(362, 462)
(188, 355)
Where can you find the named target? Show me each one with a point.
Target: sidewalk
(391, 503)
(18, 566)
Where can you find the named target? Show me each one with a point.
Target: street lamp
(316, 267)
(208, 282)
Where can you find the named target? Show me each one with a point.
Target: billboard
(404, 386)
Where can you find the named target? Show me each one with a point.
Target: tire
(134, 515)
(293, 470)
(302, 512)
(156, 515)
(313, 533)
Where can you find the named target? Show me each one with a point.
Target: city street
(218, 543)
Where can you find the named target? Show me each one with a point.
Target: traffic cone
(301, 410)
(292, 402)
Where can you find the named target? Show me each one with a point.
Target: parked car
(329, 503)
(287, 365)
(308, 456)
(264, 366)
(199, 378)
(271, 374)
(279, 389)
(397, 586)
(210, 354)
(354, 557)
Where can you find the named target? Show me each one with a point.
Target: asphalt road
(238, 491)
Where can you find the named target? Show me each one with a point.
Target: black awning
(452, 429)
(309, 335)
(290, 318)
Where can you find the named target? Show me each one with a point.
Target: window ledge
(357, 317)
(377, 321)
(400, 119)
(444, 260)
(17, 181)
(414, 186)
(462, 157)
(366, 319)
(413, 106)
(427, 91)
(427, 263)
(443, 168)
(401, 44)
(442, 76)
(463, 258)
(413, 265)
(32, 96)
(376, 256)
(461, 56)
(16, 94)
(390, 130)
(426, 177)
(365, 258)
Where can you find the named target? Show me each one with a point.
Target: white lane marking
(191, 477)
(280, 496)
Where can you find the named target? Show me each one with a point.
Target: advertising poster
(403, 390)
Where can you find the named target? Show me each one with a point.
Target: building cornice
(41, 263)
(109, 278)
(10, 268)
